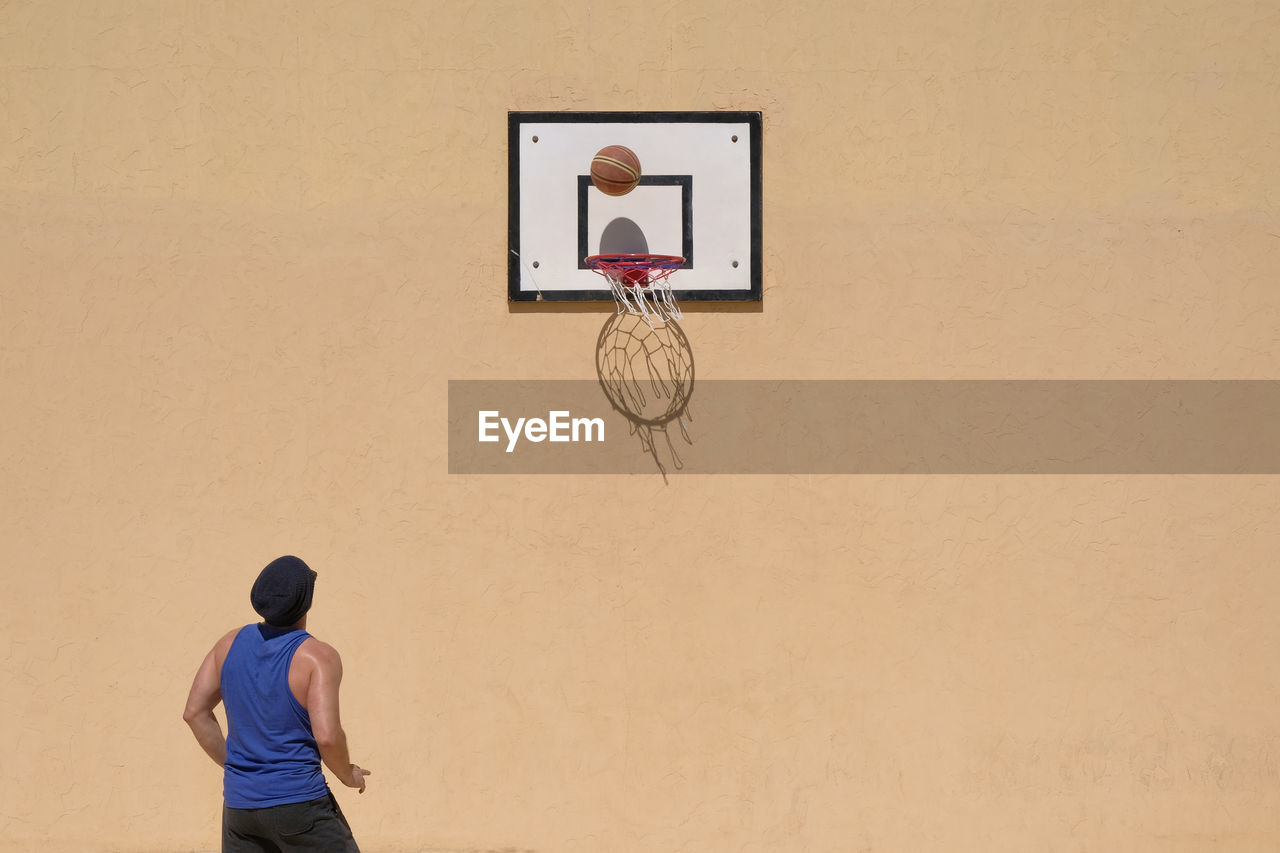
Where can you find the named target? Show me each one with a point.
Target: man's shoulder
(317, 650)
(225, 641)
(223, 646)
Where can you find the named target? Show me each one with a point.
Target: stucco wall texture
(245, 245)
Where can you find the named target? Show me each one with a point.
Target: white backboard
(699, 197)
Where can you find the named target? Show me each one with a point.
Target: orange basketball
(615, 170)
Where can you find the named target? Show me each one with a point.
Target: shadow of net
(646, 370)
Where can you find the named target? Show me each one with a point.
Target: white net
(649, 301)
(639, 284)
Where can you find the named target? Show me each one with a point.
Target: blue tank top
(272, 757)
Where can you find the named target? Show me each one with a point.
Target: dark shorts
(313, 825)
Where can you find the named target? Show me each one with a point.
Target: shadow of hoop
(646, 371)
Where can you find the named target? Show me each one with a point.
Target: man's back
(272, 757)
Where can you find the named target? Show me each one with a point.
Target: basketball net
(639, 284)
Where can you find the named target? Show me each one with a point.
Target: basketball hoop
(639, 283)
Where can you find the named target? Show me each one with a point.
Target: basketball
(615, 170)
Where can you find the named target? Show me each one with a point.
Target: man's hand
(357, 778)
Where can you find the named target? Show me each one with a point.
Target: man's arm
(206, 693)
(322, 707)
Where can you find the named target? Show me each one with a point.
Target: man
(281, 689)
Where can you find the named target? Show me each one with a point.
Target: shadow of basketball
(623, 236)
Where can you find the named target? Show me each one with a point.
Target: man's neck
(269, 631)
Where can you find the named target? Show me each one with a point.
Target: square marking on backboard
(699, 197)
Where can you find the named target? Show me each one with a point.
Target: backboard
(699, 197)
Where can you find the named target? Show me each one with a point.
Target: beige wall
(243, 247)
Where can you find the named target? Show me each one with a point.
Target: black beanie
(282, 592)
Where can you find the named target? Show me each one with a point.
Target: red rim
(603, 263)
